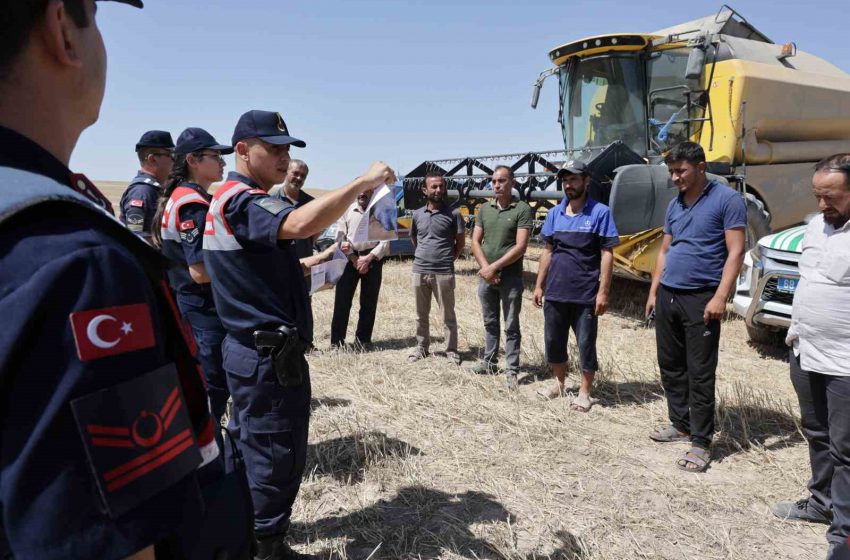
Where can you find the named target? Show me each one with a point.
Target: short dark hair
(686, 151)
(19, 18)
(836, 162)
(506, 168)
(431, 174)
(144, 152)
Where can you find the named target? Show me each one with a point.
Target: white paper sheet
(382, 214)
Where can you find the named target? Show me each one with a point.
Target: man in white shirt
(820, 354)
(365, 266)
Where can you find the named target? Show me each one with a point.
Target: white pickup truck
(767, 282)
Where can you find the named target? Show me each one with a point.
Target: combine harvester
(764, 113)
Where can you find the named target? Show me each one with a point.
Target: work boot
(800, 511)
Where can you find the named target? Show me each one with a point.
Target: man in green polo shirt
(499, 241)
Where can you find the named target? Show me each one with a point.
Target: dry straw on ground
(429, 461)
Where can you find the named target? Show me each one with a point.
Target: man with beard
(499, 241)
(291, 192)
(574, 275)
(701, 254)
(437, 233)
(820, 355)
(365, 265)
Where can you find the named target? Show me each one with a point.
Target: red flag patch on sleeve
(112, 330)
(137, 202)
(187, 225)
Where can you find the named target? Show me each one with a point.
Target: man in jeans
(499, 241)
(820, 354)
(574, 272)
(437, 233)
(697, 266)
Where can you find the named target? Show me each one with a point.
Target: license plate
(787, 285)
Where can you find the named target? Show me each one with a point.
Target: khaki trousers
(442, 287)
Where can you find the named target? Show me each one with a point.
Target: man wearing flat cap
(138, 203)
(574, 278)
(258, 286)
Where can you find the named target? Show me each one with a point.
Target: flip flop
(697, 456)
(668, 434)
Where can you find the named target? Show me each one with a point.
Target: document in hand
(382, 213)
(327, 274)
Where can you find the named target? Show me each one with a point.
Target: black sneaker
(800, 511)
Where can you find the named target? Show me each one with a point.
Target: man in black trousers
(699, 261)
(365, 266)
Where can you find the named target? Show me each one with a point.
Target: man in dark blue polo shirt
(138, 203)
(699, 261)
(574, 273)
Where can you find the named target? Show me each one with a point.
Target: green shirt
(500, 227)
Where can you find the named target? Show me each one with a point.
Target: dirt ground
(430, 461)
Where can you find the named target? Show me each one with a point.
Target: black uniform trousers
(272, 423)
(370, 288)
(687, 358)
(825, 414)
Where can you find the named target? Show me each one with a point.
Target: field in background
(428, 461)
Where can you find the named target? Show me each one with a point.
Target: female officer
(182, 211)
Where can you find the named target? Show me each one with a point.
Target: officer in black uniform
(103, 418)
(138, 203)
(260, 297)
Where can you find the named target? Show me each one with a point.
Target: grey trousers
(504, 297)
(442, 288)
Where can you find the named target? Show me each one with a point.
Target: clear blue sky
(369, 79)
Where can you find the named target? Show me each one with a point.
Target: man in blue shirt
(574, 275)
(155, 150)
(258, 287)
(699, 261)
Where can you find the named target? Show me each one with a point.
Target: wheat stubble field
(429, 461)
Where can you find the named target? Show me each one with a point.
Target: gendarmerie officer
(103, 418)
(182, 212)
(138, 203)
(260, 297)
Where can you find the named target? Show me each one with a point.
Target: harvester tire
(758, 220)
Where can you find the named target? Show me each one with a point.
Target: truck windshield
(603, 101)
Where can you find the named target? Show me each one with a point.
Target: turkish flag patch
(137, 202)
(138, 438)
(187, 225)
(112, 330)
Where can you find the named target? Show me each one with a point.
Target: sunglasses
(169, 155)
(216, 157)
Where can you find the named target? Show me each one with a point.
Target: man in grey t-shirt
(437, 233)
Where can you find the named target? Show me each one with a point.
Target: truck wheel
(763, 336)
(758, 220)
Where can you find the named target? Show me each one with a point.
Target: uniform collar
(19, 152)
(197, 188)
(236, 176)
(147, 178)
